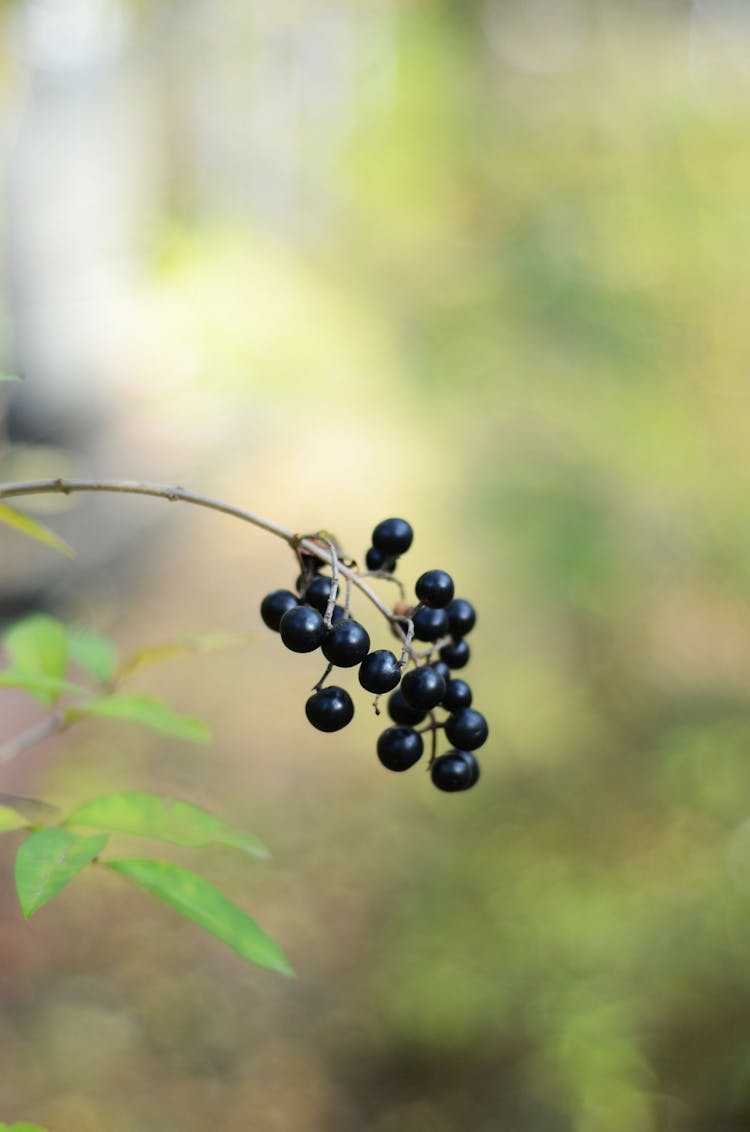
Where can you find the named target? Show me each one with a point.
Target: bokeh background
(484, 265)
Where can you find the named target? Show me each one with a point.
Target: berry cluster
(419, 682)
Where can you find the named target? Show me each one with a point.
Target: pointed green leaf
(206, 906)
(38, 646)
(193, 643)
(11, 819)
(165, 819)
(26, 526)
(48, 860)
(146, 710)
(94, 652)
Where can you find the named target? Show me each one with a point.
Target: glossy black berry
(455, 655)
(462, 617)
(454, 771)
(302, 628)
(338, 614)
(435, 588)
(442, 668)
(403, 713)
(318, 592)
(347, 643)
(274, 606)
(457, 695)
(423, 687)
(378, 560)
(330, 709)
(379, 672)
(466, 729)
(400, 748)
(392, 536)
(430, 624)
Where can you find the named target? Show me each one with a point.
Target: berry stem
(178, 494)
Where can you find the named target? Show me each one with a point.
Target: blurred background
(483, 264)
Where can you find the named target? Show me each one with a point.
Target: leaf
(94, 652)
(24, 1126)
(34, 808)
(38, 646)
(146, 710)
(193, 643)
(10, 377)
(205, 905)
(48, 860)
(45, 688)
(26, 526)
(165, 819)
(10, 819)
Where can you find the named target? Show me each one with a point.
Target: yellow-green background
(525, 327)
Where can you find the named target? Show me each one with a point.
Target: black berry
(302, 628)
(378, 560)
(338, 614)
(347, 643)
(457, 695)
(462, 617)
(379, 672)
(466, 729)
(423, 687)
(318, 592)
(400, 748)
(392, 536)
(274, 606)
(455, 655)
(330, 709)
(435, 588)
(430, 624)
(403, 713)
(441, 667)
(456, 770)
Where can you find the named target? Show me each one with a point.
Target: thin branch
(42, 729)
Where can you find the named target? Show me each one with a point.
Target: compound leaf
(26, 526)
(147, 710)
(206, 906)
(165, 819)
(48, 860)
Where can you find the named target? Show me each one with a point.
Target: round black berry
(302, 628)
(392, 536)
(435, 588)
(462, 617)
(456, 770)
(423, 687)
(455, 655)
(430, 624)
(403, 713)
(379, 672)
(378, 560)
(400, 748)
(274, 606)
(442, 668)
(466, 729)
(457, 695)
(338, 614)
(347, 643)
(318, 592)
(330, 709)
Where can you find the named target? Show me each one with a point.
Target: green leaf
(192, 643)
(165, 819)
(38, 646)
(206, 906)
(10, 377)
(94, 652)
(48, 860)
(146, 710)
(10, 819)
(45, 688)
(26, 526)
(35, 809)
(24, 1126)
